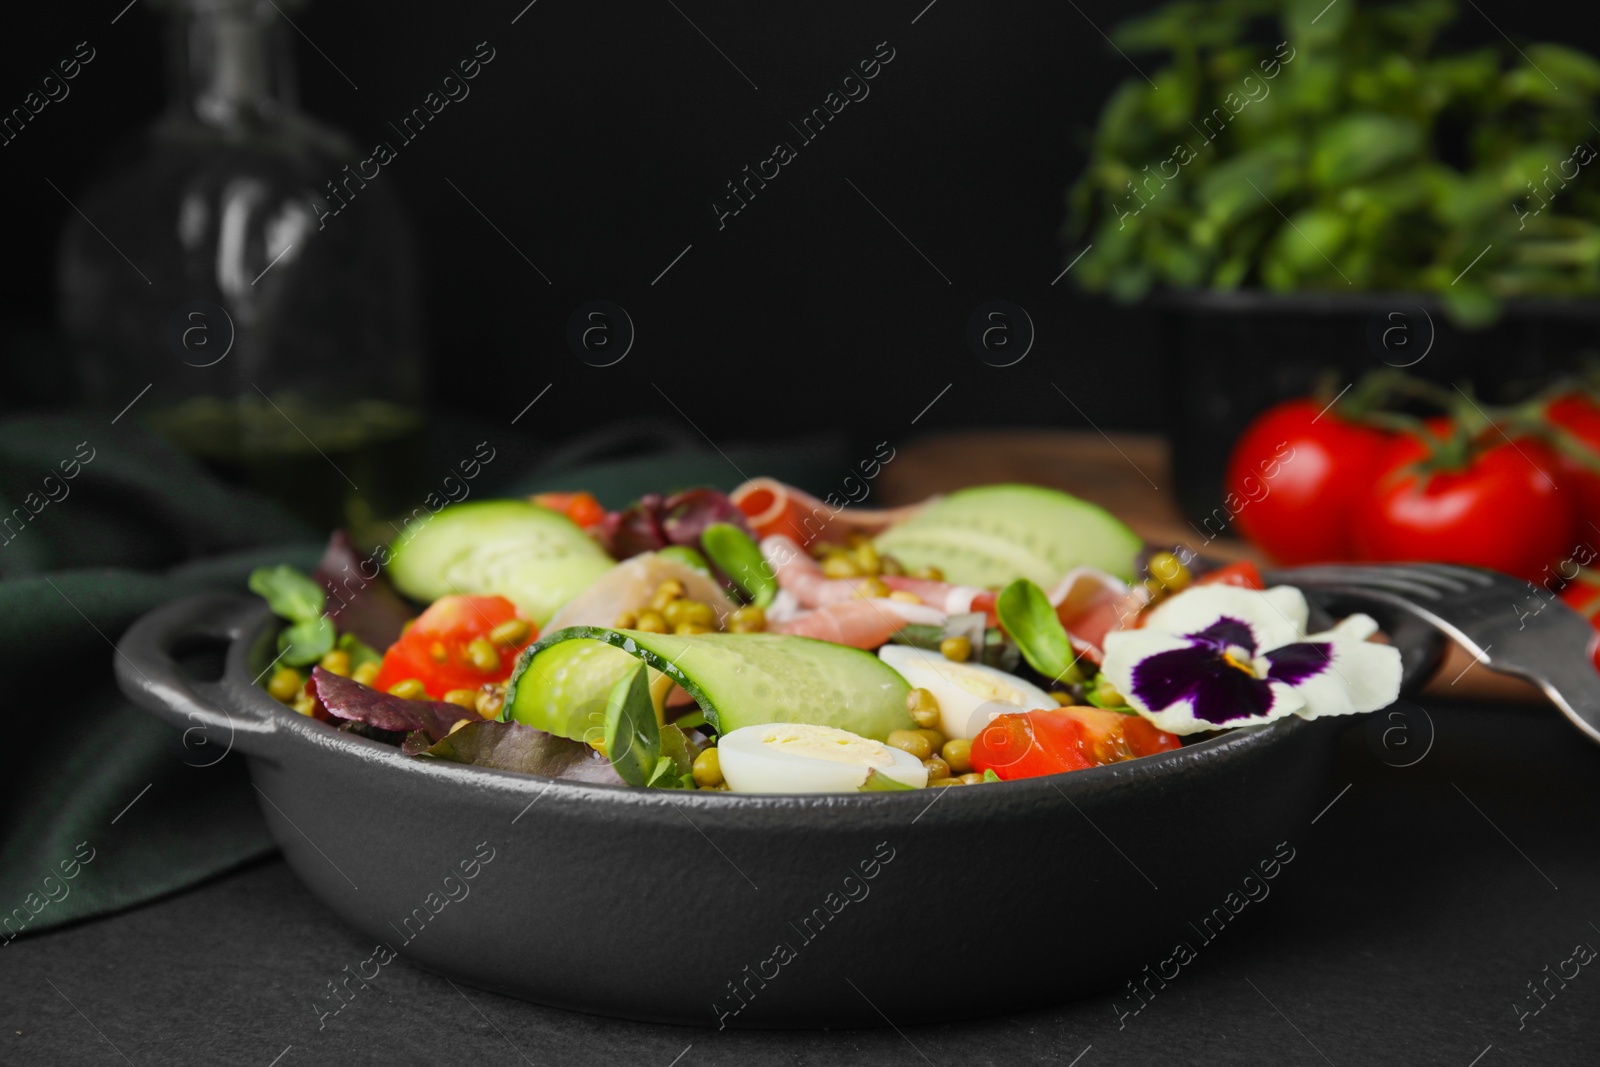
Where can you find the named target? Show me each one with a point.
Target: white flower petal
(1126, 649)
(1356, 627)
(1180, 719)
(1361, 675)
(1277, 616)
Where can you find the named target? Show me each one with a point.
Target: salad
(765, 641)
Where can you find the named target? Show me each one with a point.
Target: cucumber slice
(562, 681)
(535, 557)
(995, 534)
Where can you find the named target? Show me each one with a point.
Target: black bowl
(714, 909)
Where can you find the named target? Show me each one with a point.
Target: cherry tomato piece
(1244, 574)
(448, 646)
(581, 508)
(1033, 743)
(986, 602)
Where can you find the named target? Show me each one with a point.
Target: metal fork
(1511, 626)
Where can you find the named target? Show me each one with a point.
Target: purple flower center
(1216, 676)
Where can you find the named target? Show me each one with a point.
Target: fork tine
(1467, 576)
(1551, 645)
(1385, 579)
(1426, 574)
(1442, 577)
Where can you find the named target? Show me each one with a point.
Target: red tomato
(1033, 743)
(1294, 476)
(581, 508)
(1580, 417)
(1243, 574)
(1582, 596)
(986, 603)
(435, 649)
(1501, 509)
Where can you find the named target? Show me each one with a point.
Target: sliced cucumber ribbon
(563, 681)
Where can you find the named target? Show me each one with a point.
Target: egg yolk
(826, 743)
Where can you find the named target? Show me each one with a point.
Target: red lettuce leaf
(656, 521)
(634, 530)
(366, 607)
(347, 699)
(687, 514)
(512, 746)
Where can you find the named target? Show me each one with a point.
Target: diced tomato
(1033, 743)
(985, 602)
(1030, 744)
(581, 508)
(1243, 574)
(437, 648)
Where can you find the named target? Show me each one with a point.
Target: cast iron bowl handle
(210, 714)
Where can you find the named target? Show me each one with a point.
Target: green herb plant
(1294, 145)
(300, 601)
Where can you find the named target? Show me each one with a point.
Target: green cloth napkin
(100, 524)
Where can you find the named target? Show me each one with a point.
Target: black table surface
(1435, 913)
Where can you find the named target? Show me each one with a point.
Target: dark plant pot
(1229, 356)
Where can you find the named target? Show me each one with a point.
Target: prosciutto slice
(865, 623)
(1091, 604)
(771, 507)
(947, 597)
(802, 577)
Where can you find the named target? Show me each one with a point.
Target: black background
(596, 142)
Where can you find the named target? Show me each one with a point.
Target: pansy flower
(1221, 656)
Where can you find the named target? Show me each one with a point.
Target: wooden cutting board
(1129, 475)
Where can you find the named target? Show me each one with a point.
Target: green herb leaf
(739, 557)
(1114, 703)
(1355, 147)
(290, 594)
(676, 750)
(1306, 24)
(1030, 619)
(633, 737)
(999, 651)
(306, 642)
(674, 768)
(661, 776)
(882, 783)
(989, 775)
(697, 718)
